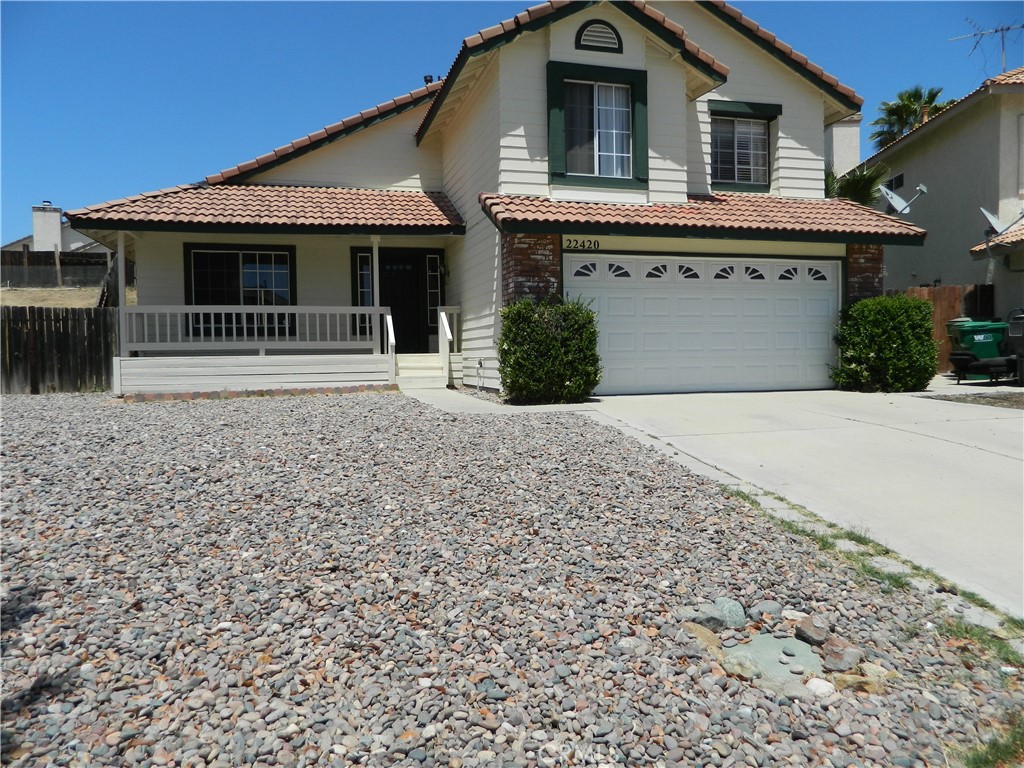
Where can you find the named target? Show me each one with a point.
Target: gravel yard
(325, 580)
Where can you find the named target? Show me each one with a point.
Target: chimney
(46, 227)
(925, 109)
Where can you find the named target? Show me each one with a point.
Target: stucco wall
(968, 161)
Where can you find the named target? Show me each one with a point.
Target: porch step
(420, 372)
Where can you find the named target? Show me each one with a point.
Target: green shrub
(885, 344)
(547, 352)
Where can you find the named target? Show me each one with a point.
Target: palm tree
(859, 185)
(906, 113)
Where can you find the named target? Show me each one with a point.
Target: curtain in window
(598, 130)
(579, 128)
(613, 130)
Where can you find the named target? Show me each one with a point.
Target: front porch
(173, 349)
(280, 287)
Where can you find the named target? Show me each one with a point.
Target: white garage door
(709, 324)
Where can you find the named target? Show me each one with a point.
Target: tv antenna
(980, 34)
(897, 202)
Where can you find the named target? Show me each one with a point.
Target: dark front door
(403, 287)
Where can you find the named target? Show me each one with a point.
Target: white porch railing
(260, 329)
(449, 338)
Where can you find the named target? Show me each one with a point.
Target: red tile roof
(1013, 236)
(255, 207)
(317, 138)
(748, 216)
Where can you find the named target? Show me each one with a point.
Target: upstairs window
(597, 126)
(739, 151)
(597, 130)
(741, 144)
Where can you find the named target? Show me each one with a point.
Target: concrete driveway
(941, 483)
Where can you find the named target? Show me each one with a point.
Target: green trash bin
(982, 337)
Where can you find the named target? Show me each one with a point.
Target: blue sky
(105, 100)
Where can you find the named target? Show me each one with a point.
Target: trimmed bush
(886, 345)
(547, 352)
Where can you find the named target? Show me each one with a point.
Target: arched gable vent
(598, 36)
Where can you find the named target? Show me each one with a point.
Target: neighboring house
(665, 163)
(968, 156)
(49, 231)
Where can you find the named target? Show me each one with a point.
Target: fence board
(950, 302)
(56, 349)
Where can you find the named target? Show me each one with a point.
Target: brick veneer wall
(863, 272)
(530, 267)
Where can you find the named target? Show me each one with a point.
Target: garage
(704, 324)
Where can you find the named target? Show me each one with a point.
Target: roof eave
(711, 71)
(848, 104)
(116, 225)
(521, 227)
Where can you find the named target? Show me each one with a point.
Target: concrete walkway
(941, 483)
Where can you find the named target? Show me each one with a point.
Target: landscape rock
(732, 612)
(840, 655)
(765, 607)
(365, 580)
(812, 629)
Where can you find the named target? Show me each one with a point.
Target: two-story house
(969, 156)
(664, 161)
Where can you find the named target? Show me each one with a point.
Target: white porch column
(375, 243)
(122, 301)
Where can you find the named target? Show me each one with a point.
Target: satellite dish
(997, 225)
(996, 228)
(897, 202)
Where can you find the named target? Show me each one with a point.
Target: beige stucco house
(969, 156)
(663, 160)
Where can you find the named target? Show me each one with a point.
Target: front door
(411, 285)
(403, 287)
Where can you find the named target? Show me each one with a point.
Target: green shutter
(556, 119)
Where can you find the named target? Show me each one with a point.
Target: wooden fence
(56, 349)
(950, 302)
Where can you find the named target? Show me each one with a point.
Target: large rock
(707, 639)
(812, 629)
(820, 689)
(742, 665)
(840, 655)
(732, 611)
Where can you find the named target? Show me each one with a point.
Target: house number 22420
(582, 245)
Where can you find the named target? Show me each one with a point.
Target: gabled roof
(732, 215)
(269, 208)
(796, 61)
(1008, 79)
(326, 135)
(539, 16)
